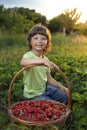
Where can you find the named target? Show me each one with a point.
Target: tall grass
(62, 46)
(10, 40)
(71, 45)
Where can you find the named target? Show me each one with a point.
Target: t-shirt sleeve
(27, 55)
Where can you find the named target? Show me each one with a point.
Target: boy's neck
(39, 54)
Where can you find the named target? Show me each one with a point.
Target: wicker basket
(59, 122)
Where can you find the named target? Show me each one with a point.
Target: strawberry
(42, 110)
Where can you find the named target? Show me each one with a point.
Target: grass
(69, 52)
(74, 45)
(71, 45)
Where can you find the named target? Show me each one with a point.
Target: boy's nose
(40, 40)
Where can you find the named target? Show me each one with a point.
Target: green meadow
(69, 53)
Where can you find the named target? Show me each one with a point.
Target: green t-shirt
(35, 78)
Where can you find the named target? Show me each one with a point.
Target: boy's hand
(50, 64)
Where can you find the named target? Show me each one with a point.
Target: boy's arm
(53, 82)
(25, 62)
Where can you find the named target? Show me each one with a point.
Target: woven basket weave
(59, 122)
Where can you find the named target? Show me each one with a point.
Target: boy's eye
(44, 38)
(35, 38)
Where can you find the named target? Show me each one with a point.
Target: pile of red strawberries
(41, 110)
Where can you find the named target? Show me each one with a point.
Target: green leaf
(78, 70)
(85, 95)
(76, 96)
(85, 83)
(83, 121)
(84, 72)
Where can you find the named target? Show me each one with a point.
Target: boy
(38, 82)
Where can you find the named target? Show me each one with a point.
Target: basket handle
(30, 66)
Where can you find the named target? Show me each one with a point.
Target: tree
(19, 19)
(81, 28)
(54, 25)
(70, 19)
(65, 20)
(1, 8)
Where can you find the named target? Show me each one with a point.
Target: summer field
(69, 53)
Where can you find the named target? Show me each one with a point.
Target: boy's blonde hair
(39, 29)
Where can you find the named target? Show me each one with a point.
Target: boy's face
(38, 42)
